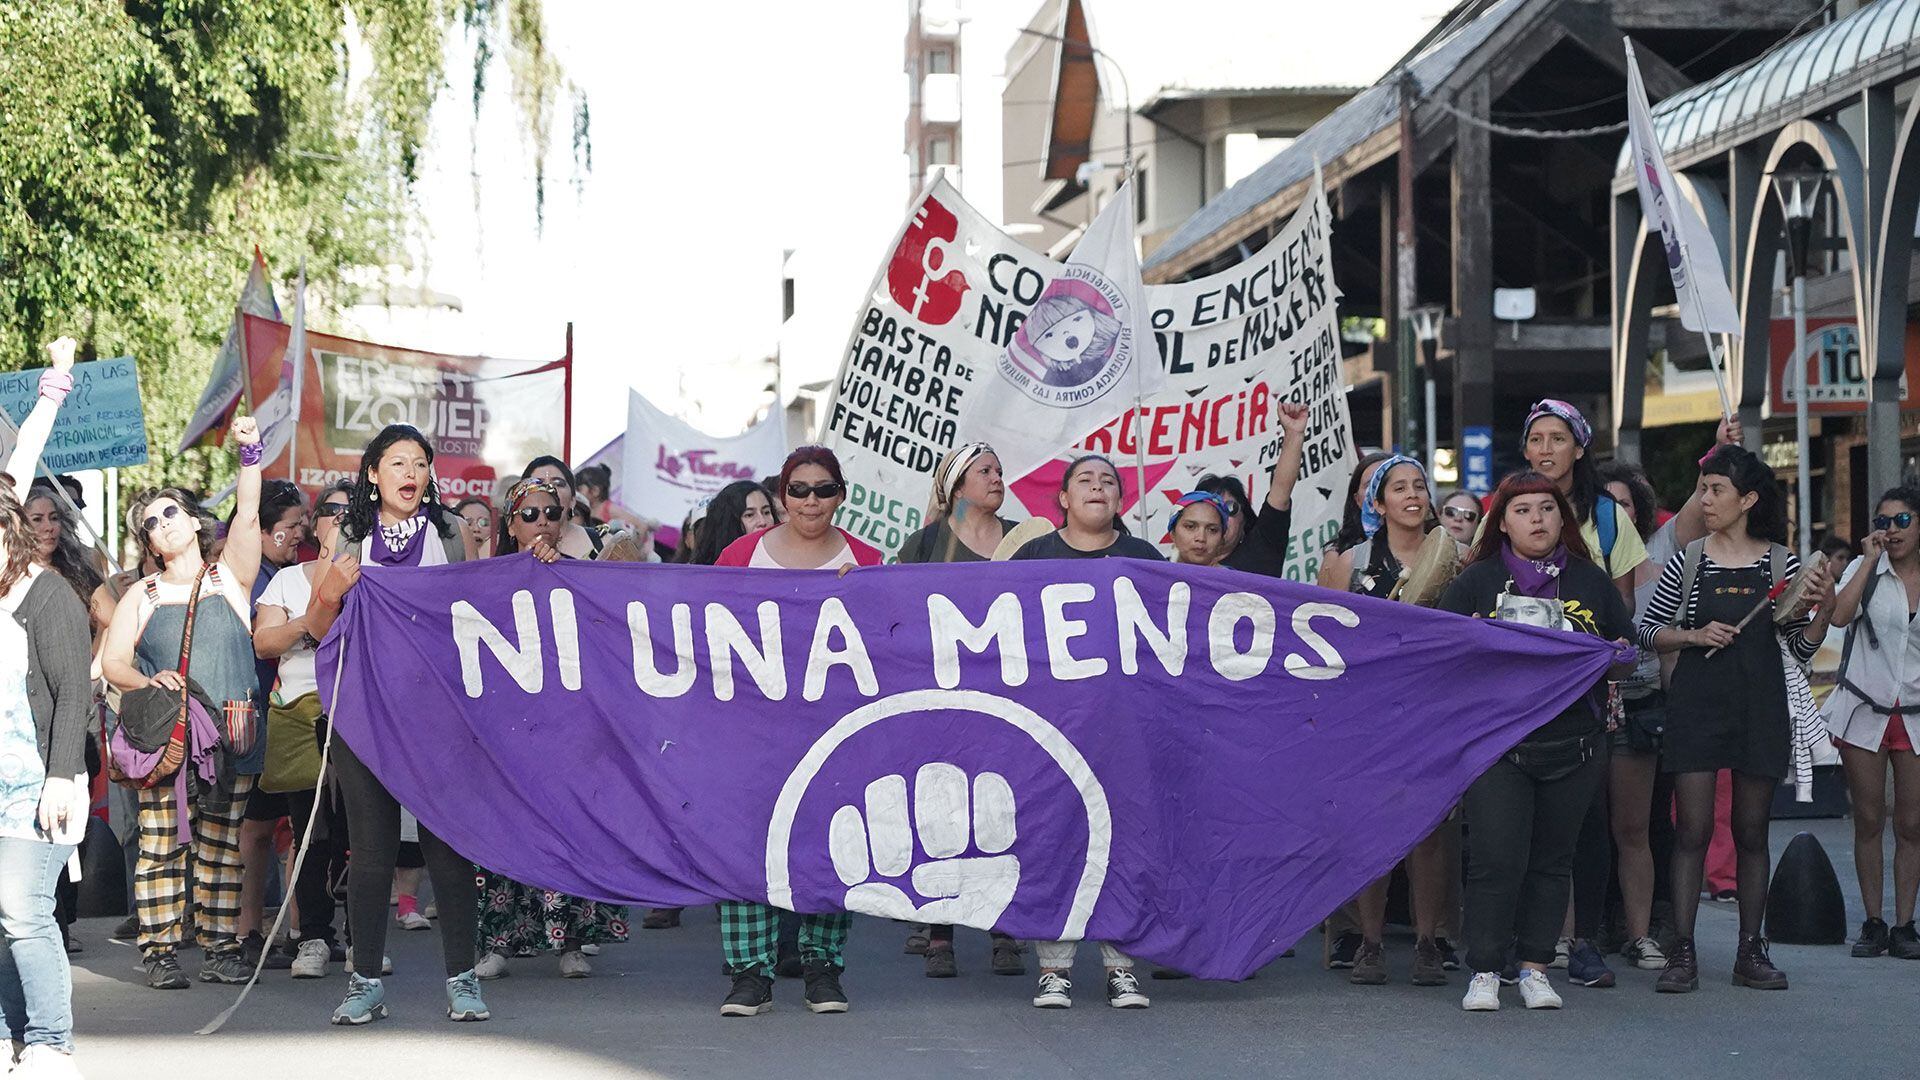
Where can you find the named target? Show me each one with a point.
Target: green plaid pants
(750, 937)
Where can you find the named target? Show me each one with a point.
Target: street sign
(1476, 459)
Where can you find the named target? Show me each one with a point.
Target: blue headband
(1370, 519)
(1203, 498)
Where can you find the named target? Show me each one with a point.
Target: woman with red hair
(811, 488)
(1524, 813)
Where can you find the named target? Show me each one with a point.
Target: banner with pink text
(669, 466)
(955, 289)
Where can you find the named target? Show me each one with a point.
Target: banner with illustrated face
(486, 417)
(668, 466)
(1194, 764)
(953, 295)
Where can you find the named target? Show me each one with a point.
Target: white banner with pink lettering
(668, 466)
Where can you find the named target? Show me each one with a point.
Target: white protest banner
(669, 465)
(955, 290)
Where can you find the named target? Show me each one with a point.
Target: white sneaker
(433, 910)
(1056, 991)
(1562, 952)
(1536, 991)
(1483, 993)
(492, 966)
(590, 950)
(1645, 954)
(43, 1062)
(573, 965)
(311, 961)
(413, 920)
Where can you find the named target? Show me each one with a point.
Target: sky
(721, 145)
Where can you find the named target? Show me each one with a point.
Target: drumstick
(1773, 594)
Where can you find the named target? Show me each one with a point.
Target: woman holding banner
(516, 919)
(1524, 813)
(395, 519)
(1396, 513)
(45, 703)
(1091, 494)
(811, 488)
(1727, 700)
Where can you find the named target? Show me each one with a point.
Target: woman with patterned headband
(963, 516)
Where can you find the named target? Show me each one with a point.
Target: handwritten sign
(101, 425)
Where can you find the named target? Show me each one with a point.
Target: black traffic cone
(1805, 907)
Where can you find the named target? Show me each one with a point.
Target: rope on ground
(306, 843)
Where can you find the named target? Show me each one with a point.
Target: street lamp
(1799, 193)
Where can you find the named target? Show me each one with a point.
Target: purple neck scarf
(400, 545)
(1535, 577)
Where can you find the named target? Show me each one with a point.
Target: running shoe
(1562, 950)
(752, 995)
(1449, 956)
(1536, 992)
(1873, 940)
(225, 967)
(1123, 991)
(940, 962)
(1587, 967)
(1369, 965)
(574, 965)
(366, 1002)
(917, 939)
(413, 920)
(1055, 991)
(42, 1061)
(463, 998)
(492, 965)
(1483, 993)
(1006, 957)
(1645, 954)
(311, 962)
(1344, 948)
(163, 971)
(1428, 968)
(1904, 944)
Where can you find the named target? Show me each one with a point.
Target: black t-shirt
(1051, 546)
(1593, 606)
(1264, 549)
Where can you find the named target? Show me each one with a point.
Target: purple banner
(1195, 764)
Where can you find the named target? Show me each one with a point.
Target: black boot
(1752, 968)
(1872, 940)
(1682, 973)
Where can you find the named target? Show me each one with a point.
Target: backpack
(1690, 570)
(1606, 523)
(1873, 642)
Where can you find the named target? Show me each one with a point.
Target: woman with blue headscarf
(1395, 516)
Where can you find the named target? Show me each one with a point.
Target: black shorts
(265, 806)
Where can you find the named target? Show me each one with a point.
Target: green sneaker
(366, 1002)
(463, 998)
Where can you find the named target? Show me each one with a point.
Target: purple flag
(1195, 764)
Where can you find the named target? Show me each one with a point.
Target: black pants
(1521, 835)
(373, 819)
(1592, 862)
(313, 889)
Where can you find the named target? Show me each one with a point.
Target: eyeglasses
(531, 514)
(1901, 520)
(825, 490)
(329, 509)
(1460, 513)
(169, 512)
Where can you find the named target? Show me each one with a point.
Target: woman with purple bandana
(395, 519)
(1555, 440)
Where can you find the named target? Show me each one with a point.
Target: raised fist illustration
(881, 843)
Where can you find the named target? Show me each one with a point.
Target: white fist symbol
(972, 891)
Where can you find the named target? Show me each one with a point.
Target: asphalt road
(652, 1010)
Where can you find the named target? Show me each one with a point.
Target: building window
(940, 61)
(940, 150)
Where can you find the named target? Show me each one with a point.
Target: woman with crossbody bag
(1879, 671)
(190, 626)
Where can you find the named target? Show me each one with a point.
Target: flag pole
(1714, 357)
(297, 341)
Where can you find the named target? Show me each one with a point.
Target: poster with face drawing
(956, 297)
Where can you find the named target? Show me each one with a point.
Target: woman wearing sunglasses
(45, 705)
(516, 919)
(143, 648)
(1880, 669)
(811, 487)
(283, 635)
(1460, 514)
(394, 519)
(575, 540)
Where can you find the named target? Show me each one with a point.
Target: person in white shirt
(1879, 670)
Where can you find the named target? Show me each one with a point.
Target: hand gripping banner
(1192, 763)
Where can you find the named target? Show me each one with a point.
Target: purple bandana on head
(1576, 423)
(1535, 577)
(401, 544)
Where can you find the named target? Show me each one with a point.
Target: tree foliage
(147, 146)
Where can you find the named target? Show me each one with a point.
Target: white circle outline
(1094, 797)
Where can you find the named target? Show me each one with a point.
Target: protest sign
(100, 426)
(668, 465)
(225, 383)
(1192, 763)
(954, 292)
(486, 417)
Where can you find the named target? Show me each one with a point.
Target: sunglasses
(531, 514)
(825, 490)
(1901, 520)
(1460, 513)
(153, 520)
(331, 509)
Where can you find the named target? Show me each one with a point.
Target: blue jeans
(36, 987)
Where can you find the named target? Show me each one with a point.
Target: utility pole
(1406, 288)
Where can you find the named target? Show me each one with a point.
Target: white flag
(279, 415)
(1699, 281)
(1083, 356)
